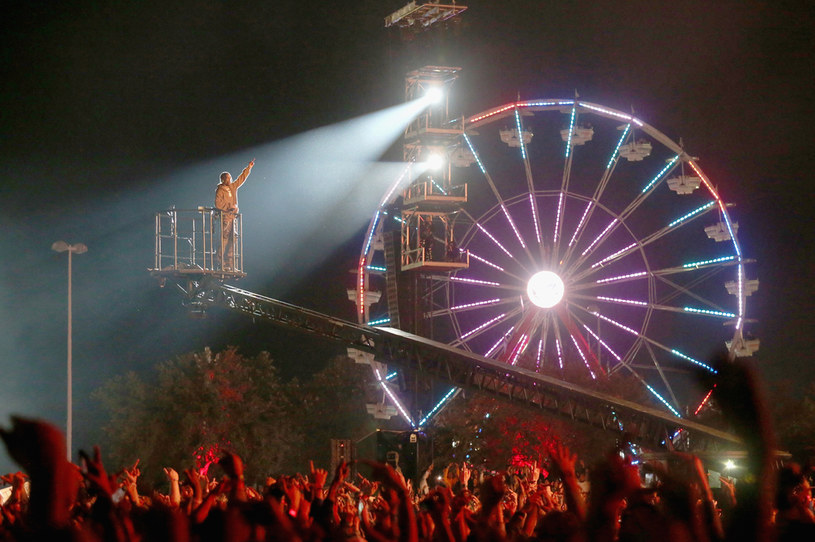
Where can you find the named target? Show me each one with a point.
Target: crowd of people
(547, 502)
(551, 500)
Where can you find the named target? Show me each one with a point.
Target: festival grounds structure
(552, 232)
(532, 239)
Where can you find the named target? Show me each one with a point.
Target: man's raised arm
(244, 174)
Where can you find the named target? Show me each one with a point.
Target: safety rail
(202, 241)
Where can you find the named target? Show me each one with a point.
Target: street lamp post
(77, 248)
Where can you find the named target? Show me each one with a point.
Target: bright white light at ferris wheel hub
(545, 289)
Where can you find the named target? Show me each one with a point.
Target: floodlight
(435, 161)
(434, 94)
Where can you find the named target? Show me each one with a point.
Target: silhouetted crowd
(616, 500)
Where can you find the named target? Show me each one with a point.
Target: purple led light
(598, 339)
(475, 304)
(624, 301)
(498, 343)
(580, 224)
(511, 223)
(612, 256)
(606, 111)
(394, 399)
(597, 239)
(621, 277)
(520, 348)
(474, 281)
(559, 353)
(494, 240)
(583, 356)
(557, 217)
(482, 260)
(535, 218)
(482, 326)
(619, 325)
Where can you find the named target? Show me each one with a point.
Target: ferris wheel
(587, 240)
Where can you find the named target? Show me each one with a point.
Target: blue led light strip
(371, 236)
(619, 144)
(571, 130)
(520, 133)
(475, 154)
(710, 312)
(694, 361)
(379, 322)
(708, 262)
(660, 174)
(692, 213)
(664, 402)
(444, 399)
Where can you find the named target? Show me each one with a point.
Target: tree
(200, 404)
(794, 416)
(332, 405)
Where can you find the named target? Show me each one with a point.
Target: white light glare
(434, 94)
(545, 289)
(435, 161)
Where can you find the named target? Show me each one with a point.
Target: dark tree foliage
(331, 405)
(794, 417)
(202, 402)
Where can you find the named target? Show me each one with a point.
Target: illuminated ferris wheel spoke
(619, 220)
(520, 337)
(498, 243)
(597, 339)
(679, 222)
(596, 197)
(558, 345)
(695, 311)
(530, 183)
(647, 240)
(481, 283)
(580, 342)
(498, 197)
(474, 306)
(687, 290)
(564, 187)
(665, 382)
(542, 344)
(474, 256)
(487, 326)
(675, 352)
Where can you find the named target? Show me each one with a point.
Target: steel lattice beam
(643, 424)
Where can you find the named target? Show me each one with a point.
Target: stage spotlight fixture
(435, 94)
(435, 161)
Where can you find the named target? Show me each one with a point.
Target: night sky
(111, 111)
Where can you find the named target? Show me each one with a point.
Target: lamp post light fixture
(77, 248)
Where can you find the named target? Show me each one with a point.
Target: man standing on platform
(226, 200)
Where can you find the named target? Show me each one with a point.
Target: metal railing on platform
(202, 241)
